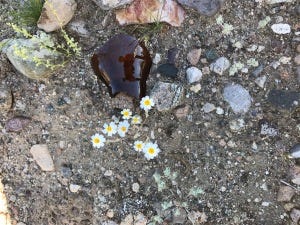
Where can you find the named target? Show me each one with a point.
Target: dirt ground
(239, 172)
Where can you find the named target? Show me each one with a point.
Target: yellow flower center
(96, 140)
(126, 113)
(123, 129)
(147, 102)
(151, 151)
(109, 129)
(135, 120)
(139, 146)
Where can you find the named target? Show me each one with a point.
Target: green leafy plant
(28, 13)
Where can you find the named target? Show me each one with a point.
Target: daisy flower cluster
(120, 128)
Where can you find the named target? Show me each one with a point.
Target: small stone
(285, 194)
(205, 70)
(297, 60)
(182, 112)
(128, 220)
(281, 28)
(111, 4)
(219, 111)
(179, 216)
(168, 69)
(284, 99)
(258, 70)
(295, 215)
(196, 88)
(140, 219)
(197, 217)
(220, 65)
(108, 173)
(193, 75)
(257, 200)
(295, 151)
(298, 47)
(5, 98)
(237, 125)
(42, 157)
(167, 95)
(208, 107)
(295, 175)
(122, 101)
(265, 204)
(298, 74)
(156, 59)
(110, 213)
(194, 56)
(56, 14)
(268, 129)
(80, 28)
(74, 188)
(17, 123)
(205, 7)
(238, 98)
(135, 187)
(260, 81)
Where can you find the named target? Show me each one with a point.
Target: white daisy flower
(123, 128)
(136, 119)
(151, 150)
(109, 129)
(98, 140)
(146, 103)
(126, 114)
(138, 146)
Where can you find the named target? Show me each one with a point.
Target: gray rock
(63, 12)
(284, 99)
(193, 74)
(17, 123)
(167, 95)
(295, 151)
(205, 7)
(220, 65)
(298, 74)
(260, 81)
(237, 125)
(80, 28)
(42, 157)
(111, 4)
(281, 28)
(208, 107)
(268, 129)
(5, 98)
(194, 56)
(22, 52)
(179, 216)
(238, 98)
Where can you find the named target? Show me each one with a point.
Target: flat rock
(284, 99)
(204, 7)
(150, 11)
(237, 125)
(220, 65)
(140, 219)
(194, 56)
(193, 74)
(182, 112)
(238, 98)
(260, 81)
(285, 194)
(281, 28)
(56, 14)
(42, 157)
(167, 95)
(32, 48)
(5, 98)
(295, 175)
(111, 4)
(297, 60)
